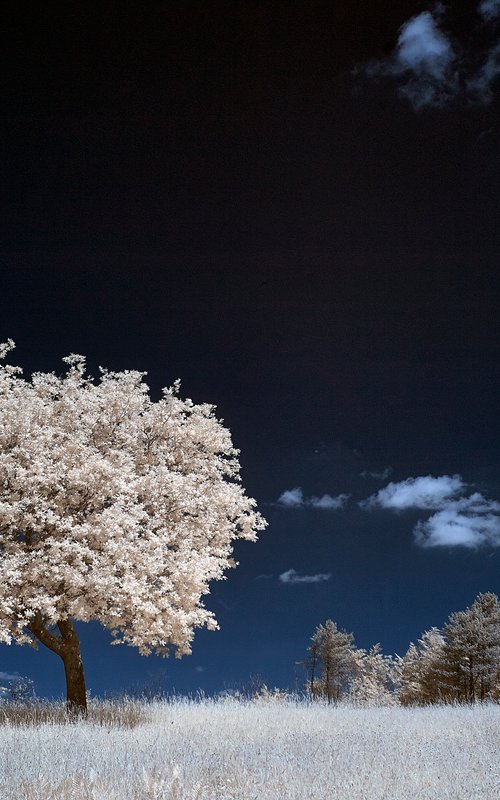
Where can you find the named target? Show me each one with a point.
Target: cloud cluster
(424, 492)
(294, 498)
(291, 576)
(459, 520)
(432, 69)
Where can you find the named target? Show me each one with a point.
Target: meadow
(243, 750)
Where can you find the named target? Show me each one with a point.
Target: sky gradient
(295, 212)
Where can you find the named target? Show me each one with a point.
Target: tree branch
(68, 632)
(38, 629)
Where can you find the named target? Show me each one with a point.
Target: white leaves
(127, 509)
(6, 347)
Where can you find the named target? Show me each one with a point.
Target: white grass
(259, 751)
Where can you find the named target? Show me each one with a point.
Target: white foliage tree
(471, 656)
(332, 662)
(459, 664)
(113, 508)
(373, 679)
(419, 672)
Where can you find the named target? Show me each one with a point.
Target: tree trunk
(312, 663)
(67, 647)
(76, 694)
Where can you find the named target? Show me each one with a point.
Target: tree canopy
(113, 508)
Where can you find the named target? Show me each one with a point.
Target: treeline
(458, 664)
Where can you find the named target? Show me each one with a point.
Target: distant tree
(408, 677)
(420, 671)
(113, 508)
(333, 655)
(372, 684)
(471, 655)
(22, 690)
(459, 664)
(312, 665)
(17, 690)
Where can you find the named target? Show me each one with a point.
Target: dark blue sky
(223, 194)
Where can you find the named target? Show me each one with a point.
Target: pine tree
(459, 664)
(372, 685)
(333, 655)
(420, 670)
(471, 656)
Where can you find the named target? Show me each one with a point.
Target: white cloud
(378, 476)
(450, 528)
(425, 59)
(460, 521)
(424, 49)
(291, 576)
(329, 503)
(294, 498)
(9, 676)
(475, 504)
(489, 9)
(423, 492)
(431, 69)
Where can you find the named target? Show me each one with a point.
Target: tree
(113, 508)
(332, 652)
(459, 664)
(471, 655)
(373, 679)
(311, 664)
(16, 688)
(21, 690)
(420, 670)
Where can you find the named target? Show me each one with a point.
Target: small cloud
(329, 503)
(489, 9)
(423, 492)
(199, 668)
(294, 498)
(424, 49)
(378, 476)
(480, 85)
(291, 576)
(264, 576)
(425, 60)
(9, 676)
(451, 528)
(432, 71)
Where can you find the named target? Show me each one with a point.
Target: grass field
(228, 750)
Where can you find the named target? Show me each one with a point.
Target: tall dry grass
(122, 714)
(229, 750)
